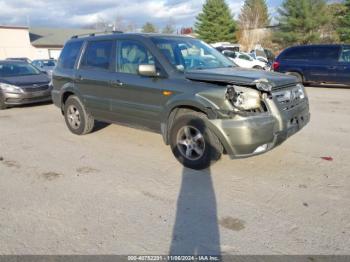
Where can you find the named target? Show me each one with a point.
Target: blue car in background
(316, 63)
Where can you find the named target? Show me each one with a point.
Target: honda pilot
(201, 103)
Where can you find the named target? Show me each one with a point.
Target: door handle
(332, 67)
(116, 83)
(80, 78)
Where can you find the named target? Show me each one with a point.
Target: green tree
(330, 31)
(149, 28)
(344, 23)
(215, 22)
(255, 13)
(300, 21)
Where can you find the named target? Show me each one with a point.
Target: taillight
(275, 65)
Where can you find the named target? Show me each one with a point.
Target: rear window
(97, 55)
(69, 55)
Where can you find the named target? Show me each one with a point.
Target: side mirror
(148, 70)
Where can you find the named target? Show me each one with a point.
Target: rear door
(343, 67)
(94, 76)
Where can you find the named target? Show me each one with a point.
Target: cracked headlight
(263, 85)
(244, 98)
(10, 88)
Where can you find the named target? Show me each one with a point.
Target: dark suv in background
(316, 63)
(181, 87)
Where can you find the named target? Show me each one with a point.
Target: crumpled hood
(26, 80)
(240, 76)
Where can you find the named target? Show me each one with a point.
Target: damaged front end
(258, 116)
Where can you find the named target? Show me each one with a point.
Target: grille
(35, 88)
(288, 98)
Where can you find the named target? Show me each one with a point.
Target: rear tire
(78, 120)
(193, 144)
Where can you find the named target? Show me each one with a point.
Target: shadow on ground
(196, 229)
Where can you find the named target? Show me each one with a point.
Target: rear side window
(312, 53)
(326, 53)
(97, 55)
(69, 55)
(297, 53)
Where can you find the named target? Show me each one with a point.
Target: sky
(79, 13)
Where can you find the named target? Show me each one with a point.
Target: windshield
(188, 54)
(17, 69)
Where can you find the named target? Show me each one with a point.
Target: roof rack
(97, 33)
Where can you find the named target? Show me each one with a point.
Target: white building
(35, 42)
(15, 42)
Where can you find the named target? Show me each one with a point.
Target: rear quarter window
(69, 55)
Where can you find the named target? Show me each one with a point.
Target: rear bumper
(27, 98)
(248, 136)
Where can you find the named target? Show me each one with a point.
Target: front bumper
(27, 97)
(242, 136)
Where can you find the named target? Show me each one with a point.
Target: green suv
(201, 102)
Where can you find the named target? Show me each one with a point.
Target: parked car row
(245, 60)
(255, 59)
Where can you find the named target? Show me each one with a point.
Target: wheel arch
(297, 71)
(178, 110)
(67, 92)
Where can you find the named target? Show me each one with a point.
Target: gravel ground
(120, 191)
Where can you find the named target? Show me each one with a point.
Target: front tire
(193, 144)
(78, 120)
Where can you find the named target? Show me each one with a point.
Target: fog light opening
(261, 149)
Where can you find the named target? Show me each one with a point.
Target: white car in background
(245, 60)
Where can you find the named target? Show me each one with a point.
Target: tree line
(296, 22)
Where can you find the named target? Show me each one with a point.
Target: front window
(131, 54)
(17, 69)
(190, 54)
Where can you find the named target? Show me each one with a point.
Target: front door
(136, 99)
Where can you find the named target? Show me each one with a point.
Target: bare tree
(252, 24)
(169, 27)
